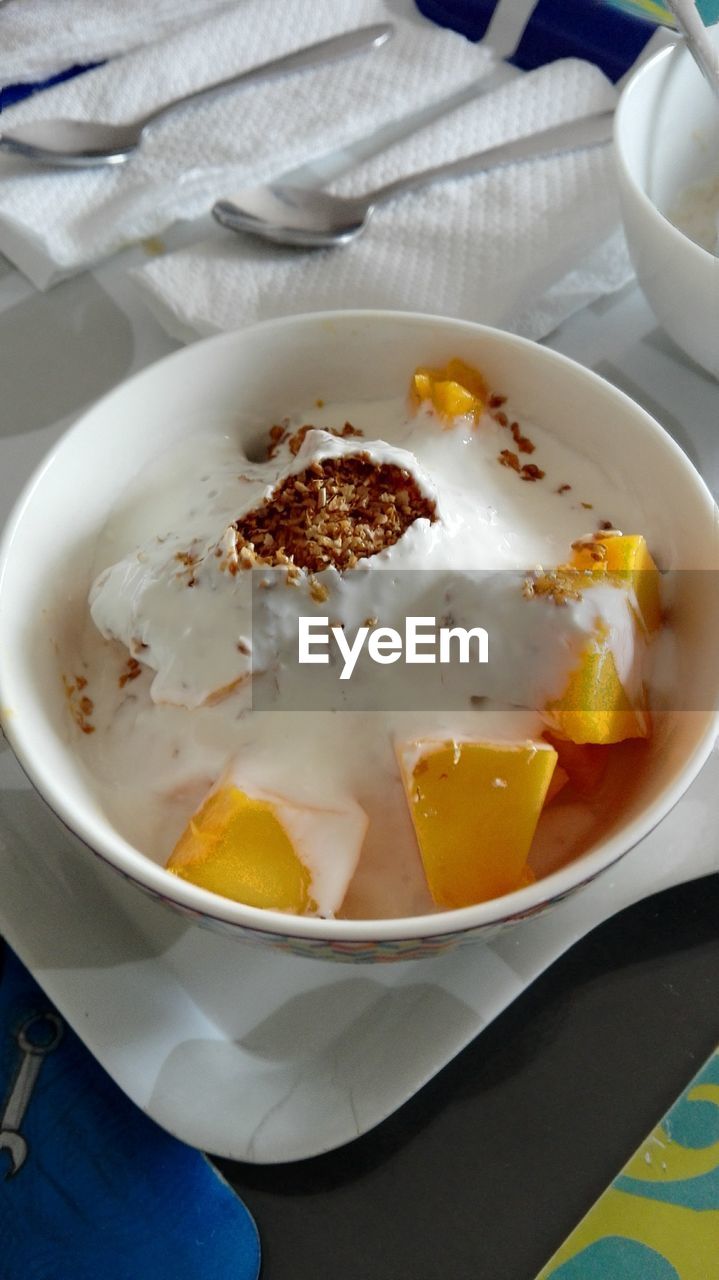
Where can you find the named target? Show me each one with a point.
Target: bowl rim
(623, 109)
(102, 839)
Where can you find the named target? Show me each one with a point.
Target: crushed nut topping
(277, 436)
(559, 585)
(318, 591)
(333, 513)
(80, 708)
(280, 433)
(596, 549)
(523, 443)
(530, 471)
(594, 543)
(295, 441)
(131, 672)
(507, 458)
(188, 558)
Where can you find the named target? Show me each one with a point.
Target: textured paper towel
(521, 247)
(54, 222)
(40, 37)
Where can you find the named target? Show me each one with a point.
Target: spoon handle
(698, 40)
(590, 131)
(313, 55)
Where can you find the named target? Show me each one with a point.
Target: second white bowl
(667, 139)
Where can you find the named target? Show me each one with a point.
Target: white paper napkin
(40, 37)
(54, 222)
(522, 247)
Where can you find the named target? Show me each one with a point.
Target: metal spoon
(79, 143)
(697, 39)
(314, 219)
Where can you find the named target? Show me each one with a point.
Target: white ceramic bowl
(253, 377)
(666, 139)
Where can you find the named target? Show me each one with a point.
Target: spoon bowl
(295, 215)
(75, 144)
(313, 219)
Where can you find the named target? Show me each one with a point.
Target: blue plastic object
(556, 29)
(89, 1186)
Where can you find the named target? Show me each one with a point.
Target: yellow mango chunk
(594, 707)
(454, 391)
(628, 556)
(560, 778)
(582, 764)
(236, 846)
(475, 807)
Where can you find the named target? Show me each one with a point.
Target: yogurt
(171, 657)
(696, 213)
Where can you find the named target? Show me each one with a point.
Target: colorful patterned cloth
(659, 1220)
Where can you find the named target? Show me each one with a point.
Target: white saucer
(242, 1051)
(259, 1056)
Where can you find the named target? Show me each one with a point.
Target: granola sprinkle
(523, 443)
(530, 471)
(131, 672)
(280, 434)
(81, 708)
(558, 585)
(318, 591)
(595, 543)
(333, 513)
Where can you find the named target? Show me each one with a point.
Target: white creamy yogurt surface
(160, 742)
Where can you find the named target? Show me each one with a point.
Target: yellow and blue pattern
(655, 11)
(659, 1219)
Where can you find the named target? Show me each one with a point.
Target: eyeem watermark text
(423, 641)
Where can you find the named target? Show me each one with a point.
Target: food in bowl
(131, 812)
(696, 213)
(360, 516)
